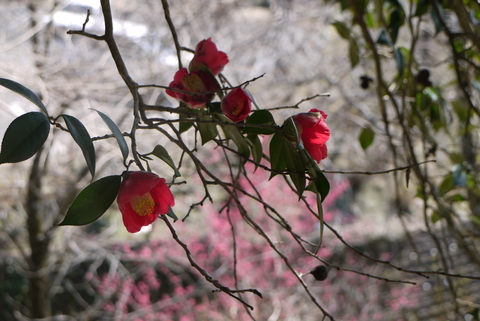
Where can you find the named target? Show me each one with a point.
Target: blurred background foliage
(404, 90)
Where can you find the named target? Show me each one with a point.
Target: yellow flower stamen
(143, 205)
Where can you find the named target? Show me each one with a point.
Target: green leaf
(320, 216)
(163, 154)
(24, 137)
(422, 8)
(319, 183)
(117, 133)
(342, 29)
(396, 21)
(366, 137)
(24, 91)
(208, 131)
(446, 185)
(171, 213)
(295, 166)
(435, 217)
(460, 109)
(257, 149)
(93, 201)
(399, 61)
(82, 138)
(233, 133)
(383, 39)
(436, 19)
(353, 51)
(277, 155)
(185, 125)
(260, 117)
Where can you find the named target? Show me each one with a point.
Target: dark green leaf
(396, 21)
(260, 117)
(460, 109)
(320, 217)
(295, 166)
(117, 133)
(277, 155)
(257, 149)
(422, 7)
(447, 184)
(319, 183)
(342, 29)
(171, 213)
(93, 201)
(383, 39)
(366, 137)
(233, 133)
(208, 130)
(163, 154)
(185, 125)
(436, 19)
(399, 61)
(354, 53)
(435, 217)
(24, 91)
(24, 137)
(82, 138)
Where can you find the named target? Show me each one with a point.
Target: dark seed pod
(365, 81)
(423, 77)
(320, 272)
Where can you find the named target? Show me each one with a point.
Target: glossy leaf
(82, 138)
(116, 133)
(277, 155)
(93, 201)
(208, 130)
(172, 214)
(185, 125)
(233, 133)
(257, 149)
(24, 91)
(295, 166)
(366, 137)
(320, 218)
(163, 154)
(319, 183)
(260, 117)
(24, 137)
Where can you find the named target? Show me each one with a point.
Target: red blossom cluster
(197, 86)
(143, 196)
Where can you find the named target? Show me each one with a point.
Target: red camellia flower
(207, 55)
(237, 105)
(196, 82)
(142, 197)
(314, 132)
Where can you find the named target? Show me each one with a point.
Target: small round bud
(423, 77)
(320, 272)
(365, 81)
